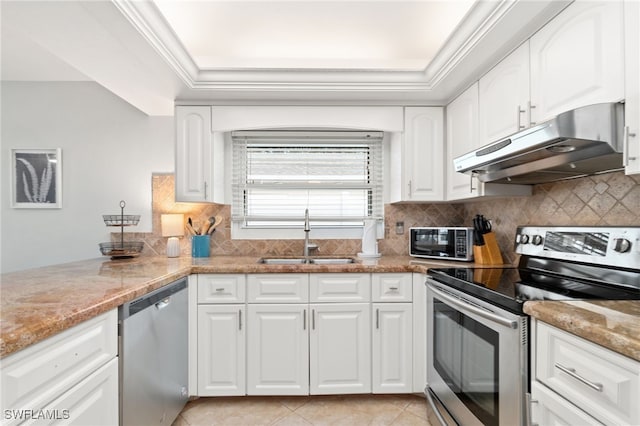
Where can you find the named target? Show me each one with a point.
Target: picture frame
(36, 178)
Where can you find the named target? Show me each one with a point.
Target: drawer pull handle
(219, 289)
(572, 372)
(393, 288)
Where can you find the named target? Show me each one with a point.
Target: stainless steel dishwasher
(153, 356)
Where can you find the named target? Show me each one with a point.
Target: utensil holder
(200, 245)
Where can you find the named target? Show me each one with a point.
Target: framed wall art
(36, 178)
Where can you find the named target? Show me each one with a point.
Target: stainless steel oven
(478, 360)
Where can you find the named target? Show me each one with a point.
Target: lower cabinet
(278, 350)
(392, 348)
(549, 409)
(340, 348)
(221, 350)
(301, 334)
(576, 381)
(71, 377)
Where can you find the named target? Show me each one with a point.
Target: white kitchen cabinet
(199, 174)
(504, 98)
(340, 348)
(62, 369)
(392, 338)
(221, 349)
(632, 86)
(391, 287)
(93, 401)
(419, 308)
(340, 287)
(548, 409)
(577, 59)
(422, 155)
(278, 288)
(462, 137)
(278, 350)
(588, 378)
(220, 334)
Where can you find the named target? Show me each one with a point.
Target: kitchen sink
(302, 261)
(332, 260)
(282, 261)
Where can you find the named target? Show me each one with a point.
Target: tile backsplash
(608, 199)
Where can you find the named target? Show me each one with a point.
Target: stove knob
(621, 245)
(536, 240)
(522, 239)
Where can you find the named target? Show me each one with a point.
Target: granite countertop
(614, 324)
(38, 303)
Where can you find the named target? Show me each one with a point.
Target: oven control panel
(611, 245)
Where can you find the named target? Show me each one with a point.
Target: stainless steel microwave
(452, 243)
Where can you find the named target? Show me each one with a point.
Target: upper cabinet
(422, 154)
(632, 87)
(197, 180)
(504, 97)
(462, 137)
(577, 59)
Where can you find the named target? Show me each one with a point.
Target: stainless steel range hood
(581, 142)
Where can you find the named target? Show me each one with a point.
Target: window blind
(278, 174)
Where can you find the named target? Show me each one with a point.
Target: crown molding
(482, 19)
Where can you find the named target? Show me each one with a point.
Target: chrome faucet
(307, 228)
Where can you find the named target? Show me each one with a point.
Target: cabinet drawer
(221, 288)
(340, 287)
(601, 382)
(391, 287)
(36, 375)
(547, 408)
(278, 288)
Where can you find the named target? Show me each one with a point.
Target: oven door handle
(462, 304)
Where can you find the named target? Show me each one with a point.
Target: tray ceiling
(157, 53)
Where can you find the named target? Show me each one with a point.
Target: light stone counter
(38, 303)
(612, 324)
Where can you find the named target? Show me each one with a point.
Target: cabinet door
(340, 345)
(221, 350)
(422, 154)
(193, 153)
(392, 348)
(93, 401)
(577, 59)
(632, 86)
(548, 408)
(504, 97)
(462, 137)
(278, 350)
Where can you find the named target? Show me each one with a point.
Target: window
(337, 175)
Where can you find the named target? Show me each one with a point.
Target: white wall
(109, 151)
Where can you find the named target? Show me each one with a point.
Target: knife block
(489, 253)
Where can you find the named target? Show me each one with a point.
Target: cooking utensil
(190, 227)
(216, 223)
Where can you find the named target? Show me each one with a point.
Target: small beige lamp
(172, 227)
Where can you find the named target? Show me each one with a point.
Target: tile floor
(306, 410)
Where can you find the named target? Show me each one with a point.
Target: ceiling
(156, 54)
